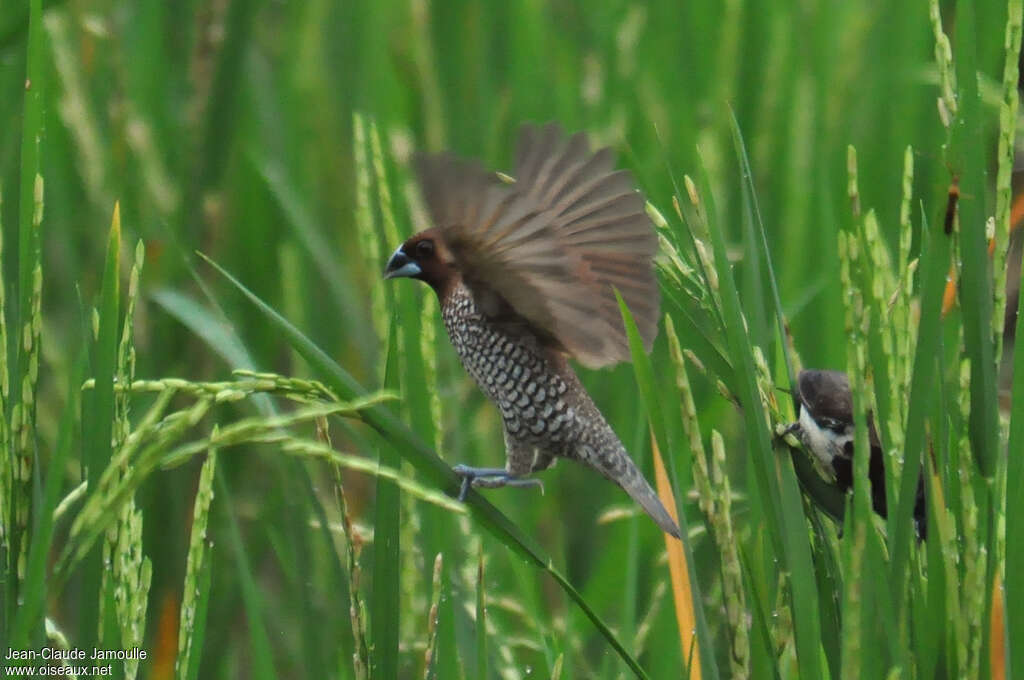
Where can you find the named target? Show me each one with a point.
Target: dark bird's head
(424, 257)
(825, 422)
(826, 395)
(826, 428)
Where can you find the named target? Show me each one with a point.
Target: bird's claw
(792, 428)
(490, 478)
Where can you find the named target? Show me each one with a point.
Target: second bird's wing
(554, 245)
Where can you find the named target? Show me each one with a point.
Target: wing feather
(555, 244)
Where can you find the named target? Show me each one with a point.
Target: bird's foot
(490, 478)
(792, 428)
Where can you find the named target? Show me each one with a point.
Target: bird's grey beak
(400, 265)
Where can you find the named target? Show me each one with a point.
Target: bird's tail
(621, 469)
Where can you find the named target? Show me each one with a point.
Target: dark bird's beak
(400, 265)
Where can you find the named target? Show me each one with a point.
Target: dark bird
(525, 273)
(826, 428)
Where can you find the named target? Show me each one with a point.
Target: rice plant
(227, 445)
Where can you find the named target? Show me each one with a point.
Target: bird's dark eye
(424, 249)
(833, 424)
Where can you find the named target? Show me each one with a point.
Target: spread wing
(552, 246)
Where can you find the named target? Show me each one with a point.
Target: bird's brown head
(424, 257)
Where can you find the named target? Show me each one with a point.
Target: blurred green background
(227, 127)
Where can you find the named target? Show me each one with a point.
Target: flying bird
(825, 426)
(526, 273)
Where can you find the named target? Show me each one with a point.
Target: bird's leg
(792, 428)
(520, 463)
(490, 478)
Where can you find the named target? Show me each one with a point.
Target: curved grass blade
(751, 197)
(427, 462)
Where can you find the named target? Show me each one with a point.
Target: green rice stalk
(481, 621)
(197, 554)
(390, 228)
(904, 331)
(974, 553)
(113, 489)
(126, 351)
(249, 384)
(701, 237)
(852, 189)
(714, 498)
(357, 606)
(783, 639)
(23, 414)
(361, 464)
(884, 279)
(963, 531)
(429, 672)
(153, 444)
(1014, 504)
(386, 568)
(261, 428)
(852, 277)
(99, 420)
(132, 571)
(1004, 160)
(701, 473)
(70, 499)
(732, 572)
(369, 241)
(676, 267)
(857, 320)
(6, 461)
(882, 283)
(30, 213)
(556, 668)
(1013, 567)
(853, 624)
(966, 158)
(428, 350)
(59, 640)
(944, 60)
(720, 386)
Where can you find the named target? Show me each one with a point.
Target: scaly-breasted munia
(525, 273)
(825, 426)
